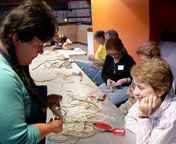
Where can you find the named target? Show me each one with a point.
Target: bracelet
(128, 80)
(143, 116)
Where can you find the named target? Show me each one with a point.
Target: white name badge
(120, 67)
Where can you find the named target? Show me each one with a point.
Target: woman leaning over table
(22, 34)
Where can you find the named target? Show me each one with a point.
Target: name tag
(120, 67)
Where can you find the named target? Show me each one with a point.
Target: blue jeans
(92, 72)
(117, 96)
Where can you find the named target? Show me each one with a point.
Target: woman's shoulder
(8, 77)
(170, 110)
(127, 59)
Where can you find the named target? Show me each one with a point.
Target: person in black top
(116, 71)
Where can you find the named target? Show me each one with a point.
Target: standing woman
(22, 34)
(116, 70)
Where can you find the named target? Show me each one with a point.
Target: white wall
(82, 33)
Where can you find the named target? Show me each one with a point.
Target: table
(64, 77)
(72, 52)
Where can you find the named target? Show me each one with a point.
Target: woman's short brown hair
(149, 49)
(155, 72)
(32, 18)
(115, 43)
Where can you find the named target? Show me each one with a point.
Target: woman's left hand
(148, 106)
(121, 82)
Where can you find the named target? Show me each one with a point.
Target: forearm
(123, 81)
(46, 128)
(144, 131)
(126, 80)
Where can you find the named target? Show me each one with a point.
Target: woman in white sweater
(153, 117)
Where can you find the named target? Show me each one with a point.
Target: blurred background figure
(59, 41)
(93, 67)
(65, 42)
(147, 51)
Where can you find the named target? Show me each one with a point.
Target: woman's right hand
(56, 125)
(110, 83)
(148, 105)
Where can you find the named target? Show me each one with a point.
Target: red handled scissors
(107, 127)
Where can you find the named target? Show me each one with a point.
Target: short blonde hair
(155, 72)
(149, 49)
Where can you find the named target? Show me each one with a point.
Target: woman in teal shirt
(22, 34)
